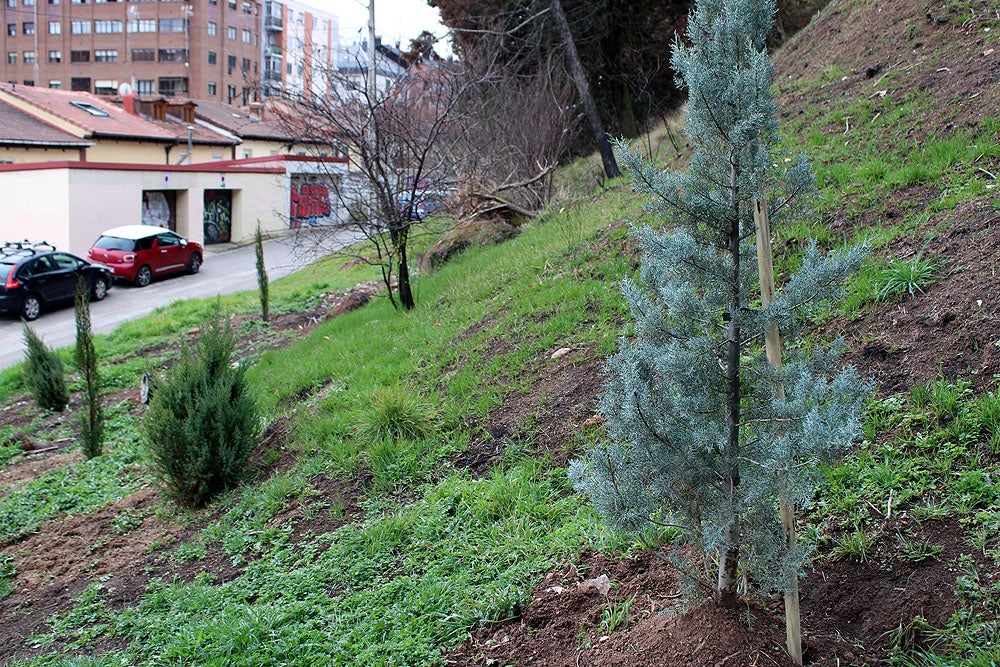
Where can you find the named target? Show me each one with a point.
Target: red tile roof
(20, 129)
(115, 124)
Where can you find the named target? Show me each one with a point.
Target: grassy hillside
(408, 504)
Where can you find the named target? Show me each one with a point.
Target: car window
(36, 267)
(65, 262)
(168, 239)
(144, 244)
(115, 243)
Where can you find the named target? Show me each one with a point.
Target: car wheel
(143, 276)
(100, 289)
(194, 264)
(31, 308)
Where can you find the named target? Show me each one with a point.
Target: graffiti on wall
(217, 221)
(158, 208)
(309, 202)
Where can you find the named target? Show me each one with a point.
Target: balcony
(272, 75)
(274, 51)
(273, 23)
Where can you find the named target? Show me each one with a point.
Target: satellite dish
(124, 89)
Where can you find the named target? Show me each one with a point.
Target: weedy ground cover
(427, 550)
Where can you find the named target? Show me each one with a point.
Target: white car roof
(134, 232)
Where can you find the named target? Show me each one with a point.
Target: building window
(54, 2)
(28, 82)
(90, 108)
(143, 55)
(246, 65)
(230, 64)
(79, 27)
(213, 2)
(145, 87)
(12, 30)
(211, 57)
(12, 3)
(172, 85)
(28, 3)
(107, 27)
(105, 55)
(29, 58)
(173, 56)
(288, 68)
(232, 4)
(55, 57)
(172, 25)
(80, 57)
(230, 94)
(231, 32)
(80, 83)
(247, 8)
(55, 27)
(213, 28)
(81, 2)
(11, 57)
(247, 36)
(28, 27)
(211, 89)
(55, 84)
(142, 25)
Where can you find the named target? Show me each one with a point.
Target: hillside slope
(464, 544)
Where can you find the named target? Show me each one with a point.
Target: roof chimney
(128, 103)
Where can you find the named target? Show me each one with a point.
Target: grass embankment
(427, 550)
(433, 550)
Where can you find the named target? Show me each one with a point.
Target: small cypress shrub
(92, 415)
(202, 423)
(262, 283)
(43, 373)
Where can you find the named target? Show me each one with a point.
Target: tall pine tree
(706, 436)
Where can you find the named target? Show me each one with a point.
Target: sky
(395, 20)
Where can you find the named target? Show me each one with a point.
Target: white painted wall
(35, 206)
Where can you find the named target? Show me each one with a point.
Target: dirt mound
(936, 48)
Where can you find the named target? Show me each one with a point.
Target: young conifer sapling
(707, 437)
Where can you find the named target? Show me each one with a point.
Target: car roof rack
(25, 247)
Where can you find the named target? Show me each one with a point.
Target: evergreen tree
(92, 415)
(202, 423)
(706, 435)
(262, 282)
(43, 373)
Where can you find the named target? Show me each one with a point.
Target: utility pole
(371, 53)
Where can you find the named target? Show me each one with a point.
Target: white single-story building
(69, 204)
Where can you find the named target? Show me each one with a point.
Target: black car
(35, 276)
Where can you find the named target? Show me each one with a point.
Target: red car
(139, 253)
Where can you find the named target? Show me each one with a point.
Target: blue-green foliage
(705, 434)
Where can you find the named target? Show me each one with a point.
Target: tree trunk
(405, 290)
(583, 89)
(729, 555)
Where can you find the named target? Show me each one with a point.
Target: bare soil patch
(951, 330)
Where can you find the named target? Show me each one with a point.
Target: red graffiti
(308, 203)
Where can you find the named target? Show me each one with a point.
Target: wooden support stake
(772, 347)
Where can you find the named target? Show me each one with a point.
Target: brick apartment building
(202, 49)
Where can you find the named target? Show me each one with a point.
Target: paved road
(226, 270)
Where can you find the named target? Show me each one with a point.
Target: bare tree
(461, 138)
(401, 142)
